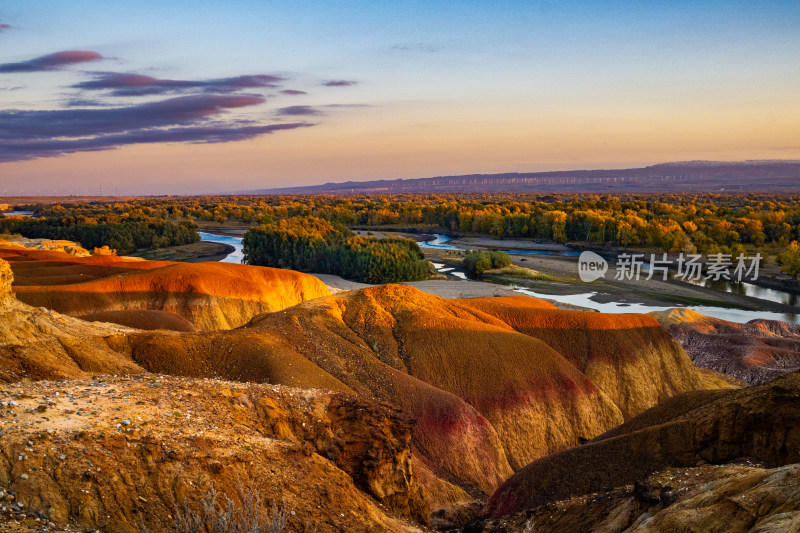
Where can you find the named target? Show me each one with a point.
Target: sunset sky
(198, 96)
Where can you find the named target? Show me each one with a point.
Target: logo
(591, 266)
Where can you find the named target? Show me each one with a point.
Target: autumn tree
(790, 260)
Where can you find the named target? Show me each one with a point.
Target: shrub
(104, 250)
(476, 263)
(227, 517)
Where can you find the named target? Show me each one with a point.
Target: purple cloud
(122, 84)
(55, 61)
(4, 27)
(299, 110)
(293, 92)
(182, 110)
(31, 134)
(339, 83)
(20, 150)
(83, 102)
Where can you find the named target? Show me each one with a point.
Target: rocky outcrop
(116, 454)
(208, 295)
(69, 247)
(761, 422)
(754, 353)
(6, 280)
(37, 343)
(735, 497)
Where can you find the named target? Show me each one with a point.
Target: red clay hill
(492, 383)
(207, 295)
(702, 461)
(754, 353)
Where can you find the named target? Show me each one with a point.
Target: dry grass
(214, 516)
(514, 271)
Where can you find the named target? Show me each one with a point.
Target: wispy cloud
(19, 150)
(339, 83)
(4, 27)
(26, 134)
(299, 110)
(92, 118)
(129, 84)
(83, 102)
(427, 48)
(55, 61)
(346, 105)
(85, 122)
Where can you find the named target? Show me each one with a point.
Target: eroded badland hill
(755, 352)
(363, 411)
(208, 295)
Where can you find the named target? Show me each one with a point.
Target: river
(440, 243)
(724, 313)
(234, 257)
(583, 299)
(748, 289)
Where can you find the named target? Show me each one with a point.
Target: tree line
(704, 223)
(125, 236)
(311, 244)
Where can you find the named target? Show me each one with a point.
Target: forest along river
(584, 299)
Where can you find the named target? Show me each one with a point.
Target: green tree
(476, 263)
(790, 260)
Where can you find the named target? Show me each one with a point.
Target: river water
(235, 256)
(584, 299)
(440, 243)
(733, 315)
(748, 289)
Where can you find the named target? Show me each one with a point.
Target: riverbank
(485, 243)
(449, 289)
(653, 293)
(197, 252)
(608, 295)
(224, 230)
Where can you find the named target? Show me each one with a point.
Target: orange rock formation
(208, 295)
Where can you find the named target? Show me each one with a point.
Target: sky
(189, 97)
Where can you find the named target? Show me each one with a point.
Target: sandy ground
(369, 233)
(442, 288)
(505, 244)
(450, 289)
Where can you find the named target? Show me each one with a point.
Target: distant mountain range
(686, 176)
